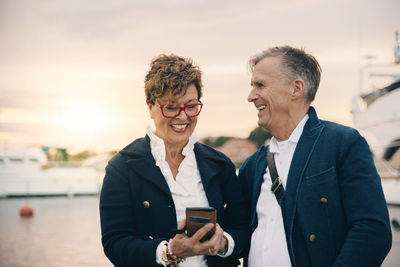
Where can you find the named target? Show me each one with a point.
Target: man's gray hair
(296, 64)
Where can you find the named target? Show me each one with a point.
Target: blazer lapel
(143, 164)
(209, 166)
(259, 171)
(302, 154)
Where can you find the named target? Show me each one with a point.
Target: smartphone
(197, 217)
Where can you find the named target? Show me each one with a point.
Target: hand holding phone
(197, 218)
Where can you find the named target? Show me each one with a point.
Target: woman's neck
(174, 157)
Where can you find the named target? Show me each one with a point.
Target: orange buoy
(26, 211)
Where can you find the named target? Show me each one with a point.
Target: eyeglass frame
(180, 109)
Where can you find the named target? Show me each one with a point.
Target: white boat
(26, 172)
(376, 114)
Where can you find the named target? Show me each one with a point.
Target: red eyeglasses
(172, 111)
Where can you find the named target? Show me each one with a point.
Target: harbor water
(393, 258)
(65, 232)
(62, 232)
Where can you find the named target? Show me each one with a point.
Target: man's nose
(252, 95)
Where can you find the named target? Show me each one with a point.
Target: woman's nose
(182, 114)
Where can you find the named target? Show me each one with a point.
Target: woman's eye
(190, 107)
(171, 108)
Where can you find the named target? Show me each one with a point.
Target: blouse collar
(158, 147)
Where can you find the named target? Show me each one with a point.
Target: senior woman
(149, 184)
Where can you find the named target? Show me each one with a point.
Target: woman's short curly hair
(171, 75)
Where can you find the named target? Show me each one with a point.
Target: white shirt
(187, 190)
(268, 241)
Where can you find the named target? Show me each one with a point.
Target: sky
(72, 71)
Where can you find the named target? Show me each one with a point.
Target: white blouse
(187, 190)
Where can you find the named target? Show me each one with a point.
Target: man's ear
(298, 88)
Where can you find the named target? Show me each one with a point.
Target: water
(393, 258)
(62, 232)
(66, 232)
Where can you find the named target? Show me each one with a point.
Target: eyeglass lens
(190, 110)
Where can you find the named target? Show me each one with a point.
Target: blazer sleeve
(236, 213)
(368, 239)
(121, 243)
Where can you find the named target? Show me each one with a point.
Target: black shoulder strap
(276, 187)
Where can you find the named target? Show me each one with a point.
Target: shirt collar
(158, 147)
(293, 138)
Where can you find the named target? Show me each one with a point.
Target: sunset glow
(71, 72)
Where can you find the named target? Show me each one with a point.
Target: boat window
(1, 160)
(33, 160)
(16, 160)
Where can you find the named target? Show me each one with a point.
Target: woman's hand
(184, 246)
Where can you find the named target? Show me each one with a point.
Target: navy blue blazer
(334, 210)
(137, 211)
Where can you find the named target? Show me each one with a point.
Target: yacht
(27, 172)
(376, 115)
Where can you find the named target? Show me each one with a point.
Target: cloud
(59, 56)
(24, 99)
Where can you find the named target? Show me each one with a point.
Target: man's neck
(282, 132)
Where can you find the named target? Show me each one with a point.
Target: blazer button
(146, 204)
(323, 200)
(150, 237)
(312, 237)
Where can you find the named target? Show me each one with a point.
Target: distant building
(238, 149)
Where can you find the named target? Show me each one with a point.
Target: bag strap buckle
(276, 184)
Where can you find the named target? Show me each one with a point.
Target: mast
(397, 49)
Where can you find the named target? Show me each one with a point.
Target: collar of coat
(301, 157)
(140, 160)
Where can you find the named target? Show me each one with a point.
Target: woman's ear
(150, 106)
